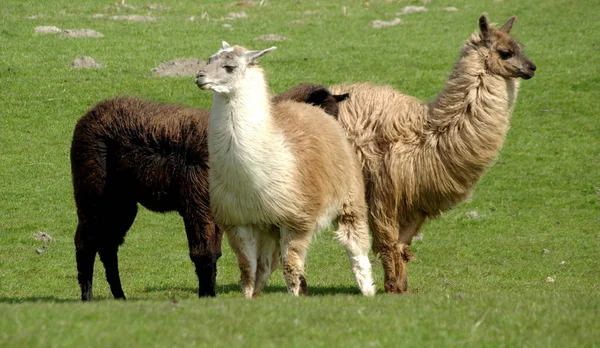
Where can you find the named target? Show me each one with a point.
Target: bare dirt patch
(81, 33)
(271, 37)
(383, 24)
(48, 30)
(180, 67)
(449, 9)
(85, 62)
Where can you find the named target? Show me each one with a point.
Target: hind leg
(204, 240)
(402, 253)
(353, 234)
(243, 242)
(116, 225)
(85, 255)
(383, 221)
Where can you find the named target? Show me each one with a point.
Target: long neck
(246, 108)
(242, 138)
(469, 119)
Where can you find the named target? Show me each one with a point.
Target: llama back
(326, 162)
(145, 148)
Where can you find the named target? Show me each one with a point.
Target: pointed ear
(224, 45)
(341, 97)
(255, 55)
(484, 25)
(508, 25)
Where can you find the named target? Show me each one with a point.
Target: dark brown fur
(127, 151)
(317, 95)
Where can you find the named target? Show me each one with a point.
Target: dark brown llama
(127, 151)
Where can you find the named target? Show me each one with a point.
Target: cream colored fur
(421, 159)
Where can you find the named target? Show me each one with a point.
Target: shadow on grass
(38, 299)
(269, 289)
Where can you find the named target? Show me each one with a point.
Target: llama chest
(251, 176)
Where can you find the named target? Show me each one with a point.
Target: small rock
(473, 215)
(412, 9)
(382, 24)
(310, 12)
(134, 18)
(419, 236)
(460, 295)
(44, 237)
(48, 30)
(85, 63)
(449, 9)
(447, 282)
(563, 262)
(155, 7)
(81, 33)
(39, 251)
(545, 251)
(271, 37)
(549, 280)
(236, 15)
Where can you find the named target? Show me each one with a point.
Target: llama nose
(532, 66)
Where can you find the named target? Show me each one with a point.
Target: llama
(422, 159)
(127, 151)
(279, 173)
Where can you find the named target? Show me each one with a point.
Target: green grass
(478, 282)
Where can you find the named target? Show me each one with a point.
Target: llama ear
(484, 26)
(341, 97)
(508, 25)
(224, 45)
(317, 96)
(253, 56)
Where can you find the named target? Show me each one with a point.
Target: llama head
(503, 54)
(228, 68)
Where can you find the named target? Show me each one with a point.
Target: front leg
(204, 239)
(243, 242)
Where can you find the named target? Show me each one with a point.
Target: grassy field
(477, 281)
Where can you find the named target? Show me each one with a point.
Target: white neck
(243, 142)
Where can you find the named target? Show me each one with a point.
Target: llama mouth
(526, 74)
(203, 85)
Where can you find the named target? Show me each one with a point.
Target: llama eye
(229, 68)
(505, 54)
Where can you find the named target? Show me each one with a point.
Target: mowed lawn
(517, 265)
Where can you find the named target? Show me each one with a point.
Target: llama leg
(294, 246)
(115, 225)
(268, 254)
(384, 225)
(242, 240)
(353, 234)
(108, 256)
(85, 254)
(204, 241)
(402, 251)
